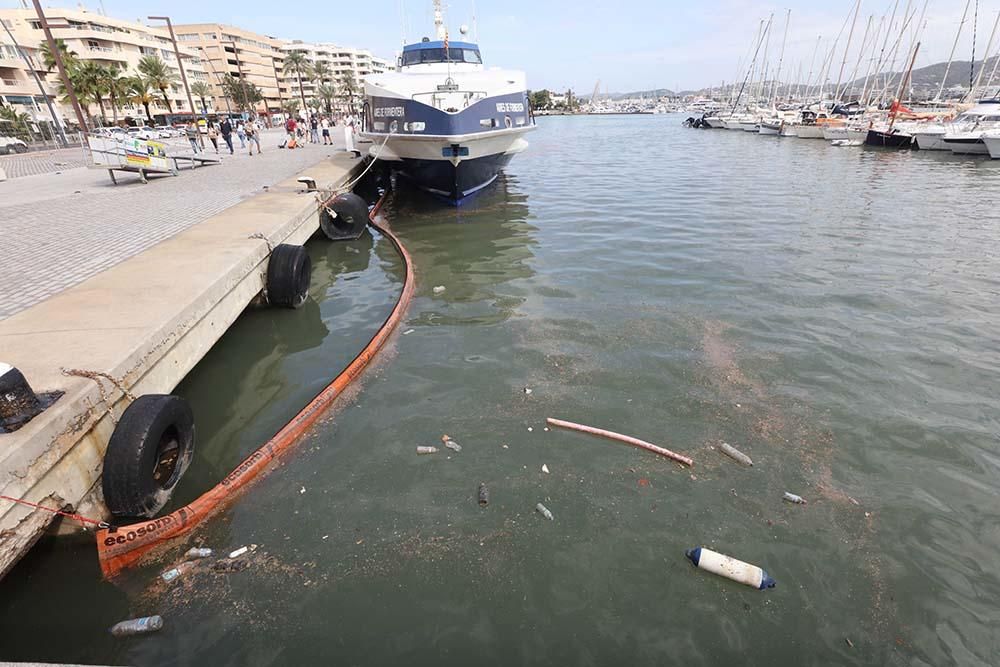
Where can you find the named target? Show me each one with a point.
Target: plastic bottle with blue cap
(729, 567)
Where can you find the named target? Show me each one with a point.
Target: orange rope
(119, 548)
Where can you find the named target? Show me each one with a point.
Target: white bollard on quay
(730, 568)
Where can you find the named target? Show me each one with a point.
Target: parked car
(11, 145)
(167, 132)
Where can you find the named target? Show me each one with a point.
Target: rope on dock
(121, 547)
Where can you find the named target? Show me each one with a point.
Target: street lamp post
(239, 70)
(177, 54)
(61, 66)
(41, 88)
(218, 79)
(281, 100)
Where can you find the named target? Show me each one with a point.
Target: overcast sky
(627, 45)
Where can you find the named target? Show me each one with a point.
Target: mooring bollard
(18, 402)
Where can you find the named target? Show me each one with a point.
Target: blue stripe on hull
(442, 178)
(496, 111)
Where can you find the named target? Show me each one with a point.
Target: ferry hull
(454, 182)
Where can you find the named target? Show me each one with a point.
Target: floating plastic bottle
(175, 572)
(484, 494)
(544, 511)
(137, 626)
(452, 445)
(729, 567)
(736, 454)
(792, 498)
(427, 450)
(198, 552)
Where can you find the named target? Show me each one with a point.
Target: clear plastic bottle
(137, 626)
(177, 571)
(544, 511)
(736, 454)
(198, 552)
(427, 450)
(792, 498)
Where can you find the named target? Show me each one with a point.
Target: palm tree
(158, 75)
(87, 80)
(327, 93)
(292, 107)
(348, 87)
(201, 90)
(321, 71)
(69, 58)
(296, 62)
(115, 84)
(140, 92)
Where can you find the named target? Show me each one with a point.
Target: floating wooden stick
(622, 438)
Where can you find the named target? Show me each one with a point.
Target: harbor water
(830, 312)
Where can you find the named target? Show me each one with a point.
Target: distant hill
(925, 81)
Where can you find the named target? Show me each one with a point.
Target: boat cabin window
(434, 55)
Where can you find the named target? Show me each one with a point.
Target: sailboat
(893, 137)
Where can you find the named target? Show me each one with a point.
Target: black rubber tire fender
(149, 450)
(350, 221)
(289, 272)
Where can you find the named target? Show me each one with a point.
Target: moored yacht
(965, 135)
(445, 121)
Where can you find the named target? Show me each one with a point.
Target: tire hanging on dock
(121, 547)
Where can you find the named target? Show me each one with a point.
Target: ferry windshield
(455, 55)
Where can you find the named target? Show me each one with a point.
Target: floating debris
(527, 390)
(451, 444)
(530, 429)
(621, 438)
(196, 552)
(137, 626)
(484, 494)
(408, 332)
(439, 289)
(544, 511)
(302, 490)
(427, 450)
(231, 565)
(730, 568)
(849, 642)
(736, 454)
(643, 481)
(545, 469)
(176, 572)
(792, 498)
(242, 550)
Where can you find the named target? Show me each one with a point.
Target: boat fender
(289, 271)
(729, 567)
(147, 455)
(348, 219)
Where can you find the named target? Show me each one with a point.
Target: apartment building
(226, 49)
(91, 36)
(341, 61)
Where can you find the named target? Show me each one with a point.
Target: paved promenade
(59, 229)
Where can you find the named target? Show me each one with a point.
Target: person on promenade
(313, 129)
(192, 134)
(213, 136)
(241, 132)
(253, 137)
(325, 123)
(290, 127)
(226, 130)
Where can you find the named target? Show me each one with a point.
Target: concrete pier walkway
(183, 266)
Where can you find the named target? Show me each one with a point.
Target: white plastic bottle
(729, 567)
(137, 626)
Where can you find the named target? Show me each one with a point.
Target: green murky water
(830, 311)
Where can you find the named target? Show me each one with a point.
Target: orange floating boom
(680, 458)
(123, 546)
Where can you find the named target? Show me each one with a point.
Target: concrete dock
(145, 322)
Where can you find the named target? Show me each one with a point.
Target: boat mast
(965, 13)
(861, 54)
(989, 46)
(439, 30)
(740, 95)
(871, 62)
(847, 49)
(885, 43)
(781, 58)
(812, 61)
(902, 87)
(763, 69)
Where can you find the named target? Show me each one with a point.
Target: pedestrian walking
(290, 126)
(213, 136)
(192, 134)
(314, 129)
(241, 132)
(253, 137)
(349, 139)
(325, 124)
(226, 130)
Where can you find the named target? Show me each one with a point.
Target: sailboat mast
(861, 54)
(902, 87)
(847, 49)
(871, 62)
(749, 71)
(951, 57)
(989, 46)
(781, 58)
(812, 61)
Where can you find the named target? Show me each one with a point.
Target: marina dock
(137, 328)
